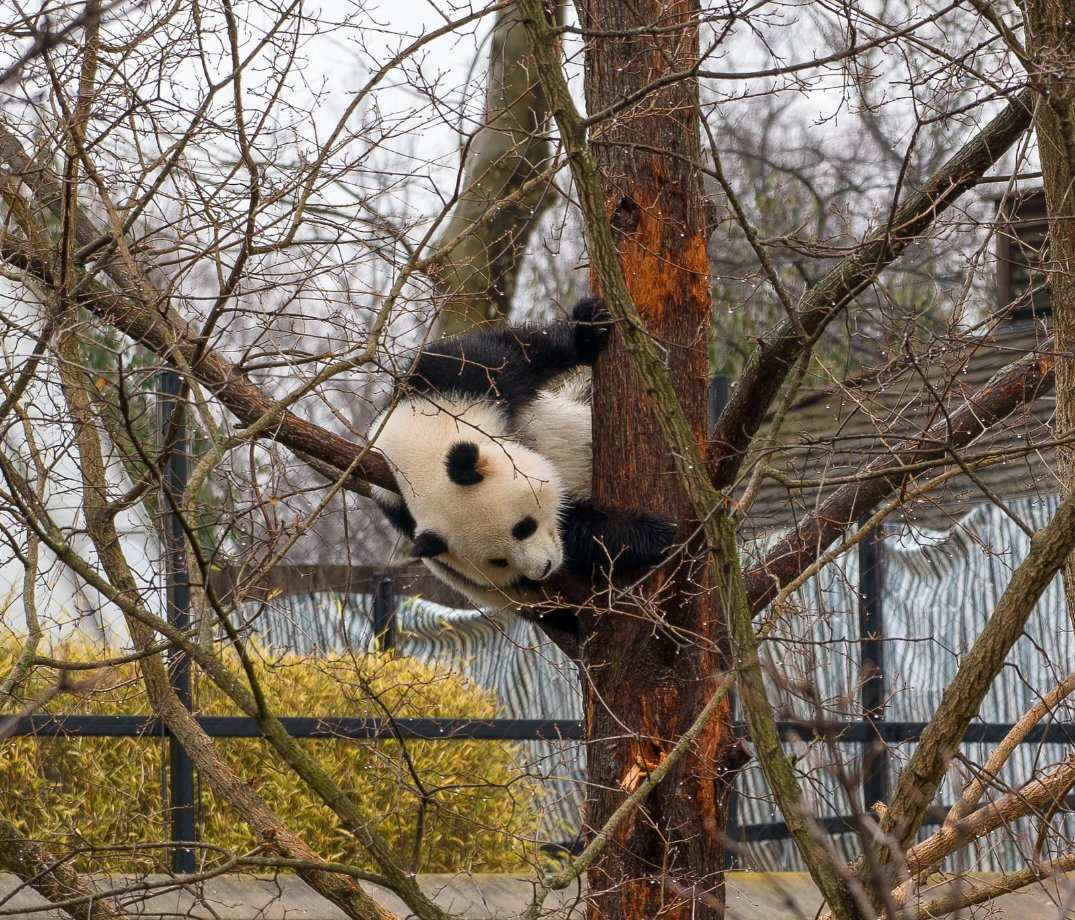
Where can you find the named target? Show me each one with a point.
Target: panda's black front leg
(589, 328)
(604, 540)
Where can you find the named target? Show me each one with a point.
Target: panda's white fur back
(557, 426)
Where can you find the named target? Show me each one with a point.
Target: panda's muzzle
(456, 578)
(535, 574)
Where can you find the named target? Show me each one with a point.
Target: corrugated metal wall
(938, 591)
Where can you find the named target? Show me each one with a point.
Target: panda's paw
(593, 326)
(654, 537)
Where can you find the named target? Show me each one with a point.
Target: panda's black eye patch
(463, 462)
(499, 563)
(527, 527)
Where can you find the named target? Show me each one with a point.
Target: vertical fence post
(384, 610)
(180, 767)
(872, 667)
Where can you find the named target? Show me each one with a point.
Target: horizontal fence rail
(355, 729)
(363, 729)
(416, 729)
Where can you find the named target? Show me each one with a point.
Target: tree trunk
(654, 661)
(504, 188)
(1051, 47)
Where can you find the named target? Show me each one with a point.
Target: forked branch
(772, 361)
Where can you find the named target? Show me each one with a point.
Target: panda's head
(496, 521)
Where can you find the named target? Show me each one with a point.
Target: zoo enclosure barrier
(872, 733)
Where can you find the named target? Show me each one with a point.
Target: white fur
(528, 472)
(557, 426)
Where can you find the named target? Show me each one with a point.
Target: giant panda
(493, 464)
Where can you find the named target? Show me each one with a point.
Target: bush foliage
(444, 805)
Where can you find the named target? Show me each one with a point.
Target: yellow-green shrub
(478, 810)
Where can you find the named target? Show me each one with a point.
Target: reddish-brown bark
(652, 664)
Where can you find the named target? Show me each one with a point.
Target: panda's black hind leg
(614, 540)
(534, 356)
(545, 352)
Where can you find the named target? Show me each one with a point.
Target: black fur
(427, 545)
(397, 512)
(512, 364)
(527, 527)
(603, 540)
(462, 464)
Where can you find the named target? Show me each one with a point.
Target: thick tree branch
(957, 904)
(1035, 797)
(476, 277)
(1016, 385)
(988, 774)
(1039, 796)
(52, 878)
(773, 360)
(1050, 44)
(978, 668)
(144, 315)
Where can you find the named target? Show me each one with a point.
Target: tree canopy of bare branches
(278, 206)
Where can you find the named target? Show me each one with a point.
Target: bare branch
(771, 362)
(1015, 386)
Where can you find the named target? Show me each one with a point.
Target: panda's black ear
(462, 462)
(427, 544)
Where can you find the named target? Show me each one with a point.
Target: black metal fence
(872, 731)
(182, 798)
